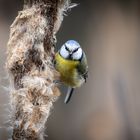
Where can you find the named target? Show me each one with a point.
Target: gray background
(107, 106)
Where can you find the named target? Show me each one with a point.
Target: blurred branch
(29, 62)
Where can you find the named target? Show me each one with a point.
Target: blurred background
(107, 107)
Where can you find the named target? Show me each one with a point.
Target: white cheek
(63, 52)
(77, 55)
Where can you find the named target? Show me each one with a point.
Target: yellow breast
(68, 71)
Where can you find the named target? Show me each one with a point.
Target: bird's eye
(75, 50)
(67, 48)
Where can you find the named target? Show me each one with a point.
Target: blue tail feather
(69, 95)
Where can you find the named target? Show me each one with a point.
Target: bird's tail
(69, 95)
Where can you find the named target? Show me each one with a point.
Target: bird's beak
(70, 54)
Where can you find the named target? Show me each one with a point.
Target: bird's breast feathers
(68, 71)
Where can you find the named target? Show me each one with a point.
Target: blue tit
(71, 63)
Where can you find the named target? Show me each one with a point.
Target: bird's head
(71, 50)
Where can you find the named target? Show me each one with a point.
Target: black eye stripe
(67, 48)
(75, 50)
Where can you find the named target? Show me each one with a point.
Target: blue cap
(73, 43)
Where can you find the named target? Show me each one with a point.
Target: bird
(71, 62)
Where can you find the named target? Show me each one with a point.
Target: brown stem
(29, 63)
